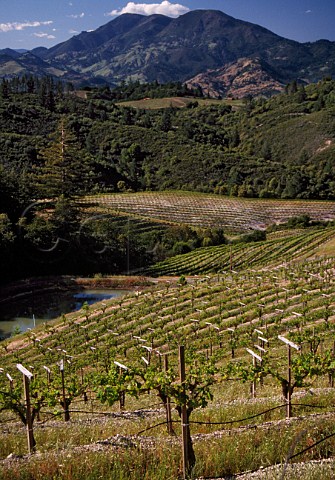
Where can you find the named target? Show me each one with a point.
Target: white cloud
(80, 15)
(8, 27)
(164, 8)
(73, 32)
(308, 11)
(44, 35)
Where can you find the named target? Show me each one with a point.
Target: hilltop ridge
(156, 47)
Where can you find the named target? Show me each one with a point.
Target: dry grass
(326, 249)
(175, 102)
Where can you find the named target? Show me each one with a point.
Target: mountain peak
(157, 47)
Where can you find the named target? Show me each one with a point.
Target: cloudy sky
(31, 23)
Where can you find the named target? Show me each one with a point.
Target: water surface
(36, 311)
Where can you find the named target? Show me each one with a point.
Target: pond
(48, 307)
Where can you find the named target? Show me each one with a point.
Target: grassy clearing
(220, 454)
(175, 102)
(113, 464)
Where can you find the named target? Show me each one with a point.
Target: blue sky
(31, 23)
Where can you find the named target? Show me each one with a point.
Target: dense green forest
(58, 144)
(280, 147)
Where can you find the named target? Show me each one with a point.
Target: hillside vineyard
(190, 163)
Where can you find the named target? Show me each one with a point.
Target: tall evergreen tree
(65, 169)
(4, 88)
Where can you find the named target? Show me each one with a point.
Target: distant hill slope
(282, 147)
(160, 48)
(293, 246)
(238, 79)
(203, 210)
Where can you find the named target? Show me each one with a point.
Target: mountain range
(224, 55)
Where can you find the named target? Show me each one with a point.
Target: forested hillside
(56, 144)
(280, 147)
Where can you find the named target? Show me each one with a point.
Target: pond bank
(28, 303)
(24, 290)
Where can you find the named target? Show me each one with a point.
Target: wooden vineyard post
(298, 315)
(47, 369)
(122, 396)
(26, 382)
(262, 351)
(255, 357)
(289, 379)
(192, 297)
(184, 422)
(253, 385)
(168, 403)
(11, 382)
(65, 404)
(289, 373)
(264, 341)
(210, 338)
(331, 374)
(232, 341)
(122, 400)
(149, 351)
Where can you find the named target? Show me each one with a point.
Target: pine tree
(65, 168)
(4, 89)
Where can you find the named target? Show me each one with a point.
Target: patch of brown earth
(240, 79)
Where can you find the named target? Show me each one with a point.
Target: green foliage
(182, 280)
(6, 233)
(55, 144)
(12, 397)
(16, 331)
(255, 236)
(109, 386)
(136, 90)
(281, 147)
(302, 221)
(135, 380)
(304, 366)
(64, 168)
